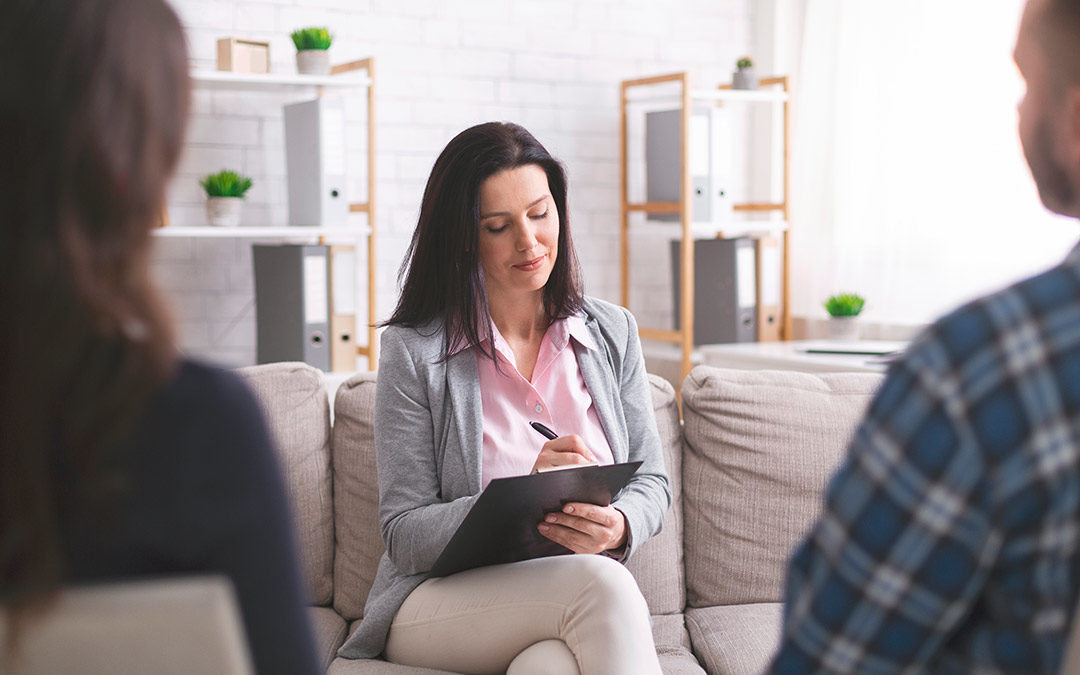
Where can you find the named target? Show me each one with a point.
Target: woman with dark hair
(492, 331)
(117, 458)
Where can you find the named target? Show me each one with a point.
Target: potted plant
(744, 77)
(312, 57)
(224, 195)
(844, 309)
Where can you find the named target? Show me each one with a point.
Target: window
(909, 183)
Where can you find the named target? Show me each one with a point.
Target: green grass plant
(225, 183)
(844, 304)
(311, 38)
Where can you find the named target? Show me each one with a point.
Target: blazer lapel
(600, 381)
(463, 385)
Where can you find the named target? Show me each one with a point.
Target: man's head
(1048, 56)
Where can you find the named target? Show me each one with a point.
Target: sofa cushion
(329, 629)
(294, 400)
(356, 495)
(673, 645)
(760, 447)
(658, 564)
(736, 639)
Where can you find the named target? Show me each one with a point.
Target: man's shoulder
(1018, 316)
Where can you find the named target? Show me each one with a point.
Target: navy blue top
(201, 492)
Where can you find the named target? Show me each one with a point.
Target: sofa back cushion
(760, 446)
(658, 564)
(293, 397)
(356, 495)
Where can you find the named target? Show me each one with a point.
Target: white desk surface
(800, 355)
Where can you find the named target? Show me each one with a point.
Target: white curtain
(908, 183)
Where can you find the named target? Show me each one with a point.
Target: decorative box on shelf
(243, 56)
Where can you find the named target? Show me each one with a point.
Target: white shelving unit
(224, 79)
(246, 232)
(353, 75)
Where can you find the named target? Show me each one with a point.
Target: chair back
(188, 625)
(1070, 664)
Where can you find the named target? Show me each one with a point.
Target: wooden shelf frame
(774, 90)
(370, 350)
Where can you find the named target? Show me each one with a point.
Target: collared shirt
(556, 397)
(948, 541)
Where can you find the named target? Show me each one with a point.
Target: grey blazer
(429, 438)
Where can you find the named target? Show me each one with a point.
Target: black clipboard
(501, 526)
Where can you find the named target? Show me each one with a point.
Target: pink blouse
(556, 397)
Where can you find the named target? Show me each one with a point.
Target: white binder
(315, 162)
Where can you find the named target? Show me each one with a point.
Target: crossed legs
(479, 621)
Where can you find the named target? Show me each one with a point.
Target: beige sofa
(747, 466)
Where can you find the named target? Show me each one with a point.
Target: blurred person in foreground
(948, 541)
(118, 459)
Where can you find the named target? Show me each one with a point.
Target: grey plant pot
(744, 78)
(223, 211)
(313, 62)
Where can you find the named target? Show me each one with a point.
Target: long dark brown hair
(441, 271)
(93, 104)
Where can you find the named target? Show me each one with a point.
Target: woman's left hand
(586, 528)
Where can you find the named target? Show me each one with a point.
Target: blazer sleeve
(647, 497)
(415, 520)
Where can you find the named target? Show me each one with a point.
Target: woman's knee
(608, 580)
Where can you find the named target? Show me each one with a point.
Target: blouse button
(539, 408)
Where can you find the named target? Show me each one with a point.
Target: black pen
(544, 431)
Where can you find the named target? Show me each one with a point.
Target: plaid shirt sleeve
(906, 540)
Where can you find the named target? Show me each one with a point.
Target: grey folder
(501, 526)
(725, 289)
(292, 303)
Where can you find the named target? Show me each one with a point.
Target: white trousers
(565, 614)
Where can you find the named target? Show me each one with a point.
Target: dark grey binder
(292, 304)
(725, 290)
(501, 526)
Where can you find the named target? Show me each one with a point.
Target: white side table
(808, 356)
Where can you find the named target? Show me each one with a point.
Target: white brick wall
(551, 65)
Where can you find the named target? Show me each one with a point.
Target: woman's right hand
(563, 451)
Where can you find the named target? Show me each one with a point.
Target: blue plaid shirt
(948, 541)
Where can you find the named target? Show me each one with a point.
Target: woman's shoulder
(203, 428)
(612, 318)
(420, 344)
(210, 384)
(207, 398)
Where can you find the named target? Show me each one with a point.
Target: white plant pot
(313, 62)
(223, 211)
(844, 328)
(744, 78)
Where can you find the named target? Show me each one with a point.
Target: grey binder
(709, 162)
(725, 293)
(292, 304)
